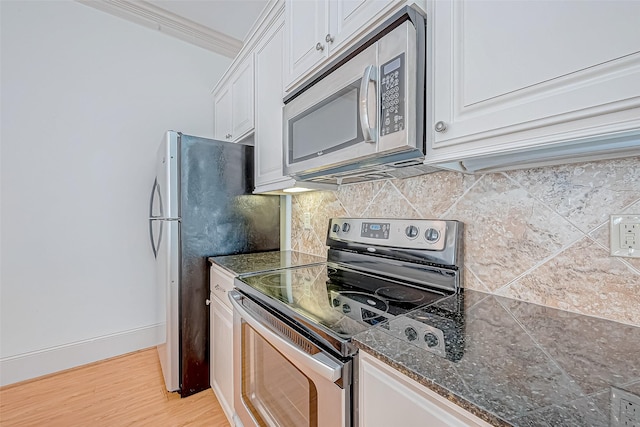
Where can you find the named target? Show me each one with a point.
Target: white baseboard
(42, 362)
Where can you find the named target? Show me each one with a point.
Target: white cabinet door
(221, 355)
(233, 104)
(222, 114)
(389, 398)
(347, 17)
(509, 75)
(221, 338)
(268, 135)
(318, 29)
(242, 105)
(307, 26)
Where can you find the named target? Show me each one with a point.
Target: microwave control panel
(392, 85)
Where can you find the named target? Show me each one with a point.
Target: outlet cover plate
(625, 235)
(625, 408)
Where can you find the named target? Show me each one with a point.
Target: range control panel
(397, 233)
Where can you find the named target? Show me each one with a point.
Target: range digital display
(375, 230)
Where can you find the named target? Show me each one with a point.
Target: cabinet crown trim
(144, 13)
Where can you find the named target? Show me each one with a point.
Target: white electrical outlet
(307, 220)
(625, 235)
(625, 408)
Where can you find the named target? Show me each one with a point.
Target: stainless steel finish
(319, 47)
(440, 126)
(342, 346)
(301, 352)
(202, 205)
(443, 257)
(330, 377)
(328, 38)
(402, 325)
(396, 154)
(397, 234)
(370, 75)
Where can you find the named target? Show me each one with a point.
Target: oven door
(281, 378)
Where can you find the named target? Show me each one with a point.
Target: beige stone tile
(309, 243)
(433, 194)
(390, 203)
(356, 197)
(585, 193)
(330, 207)
(507, 231)
(472, 282)
(586, 280)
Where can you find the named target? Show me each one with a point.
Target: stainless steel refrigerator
(201, 205)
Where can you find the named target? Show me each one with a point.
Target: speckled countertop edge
(228, 262)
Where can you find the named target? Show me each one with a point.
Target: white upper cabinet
(234, 104)
(516, 75)
(222, 114)
(268, 131)
(318, 29)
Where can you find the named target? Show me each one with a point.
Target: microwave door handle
(320, 364)
(369, 75)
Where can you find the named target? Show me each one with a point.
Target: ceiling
(217, 25)
(231, 17)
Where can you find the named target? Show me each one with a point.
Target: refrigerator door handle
(156, 190)
(155, 247)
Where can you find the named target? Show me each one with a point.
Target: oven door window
(330, 125)
(275, 391)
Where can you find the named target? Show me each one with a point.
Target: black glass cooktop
(341, 300)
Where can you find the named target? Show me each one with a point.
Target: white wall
(86, 98)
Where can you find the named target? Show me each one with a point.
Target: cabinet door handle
(319, 47)
(328, 38)
(228, 136)
(440, 127)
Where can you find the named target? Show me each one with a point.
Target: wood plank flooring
(123, 391)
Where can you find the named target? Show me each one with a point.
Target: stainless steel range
(293, 355)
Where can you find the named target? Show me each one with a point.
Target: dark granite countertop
(521, 364)
(264, 261)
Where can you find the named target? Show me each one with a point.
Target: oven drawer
(220, 283)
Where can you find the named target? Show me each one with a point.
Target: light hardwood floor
(123, 391)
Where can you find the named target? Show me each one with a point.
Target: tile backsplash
(539, 235)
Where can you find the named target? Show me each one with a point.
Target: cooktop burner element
(370, 278)
(401, 294)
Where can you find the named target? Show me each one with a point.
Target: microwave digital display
(392, 103)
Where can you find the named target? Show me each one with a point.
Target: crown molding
(144, 13)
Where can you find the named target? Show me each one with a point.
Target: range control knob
(411, 333)
(346, 227)
(411, 231)
(346, 308)
(336, 302)
(430, 339)
(336, 228)
(432, 235)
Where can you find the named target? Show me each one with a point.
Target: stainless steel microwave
(363, 117)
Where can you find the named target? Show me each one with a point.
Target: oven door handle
(319, 363)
